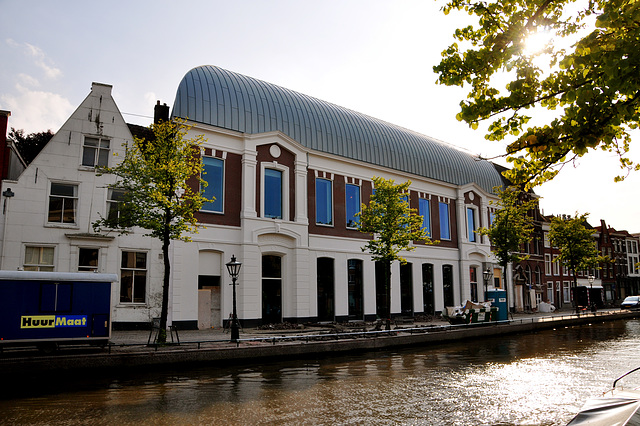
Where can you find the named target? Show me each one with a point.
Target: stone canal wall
(254, 348)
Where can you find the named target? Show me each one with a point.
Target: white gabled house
(48, 210)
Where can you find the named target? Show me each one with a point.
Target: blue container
(498, 299)
(54, 307)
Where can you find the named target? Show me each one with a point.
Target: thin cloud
(41, 61)
(40, 58)
(36, 111)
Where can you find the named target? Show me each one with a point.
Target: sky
(372, 56)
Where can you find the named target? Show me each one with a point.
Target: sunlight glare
(536, 42)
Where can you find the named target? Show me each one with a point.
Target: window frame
(426, 218)
(218, 203)
(328, 202)
(284, 170)
(74, 200)
(98, 149)
(49, 267)
(133, 270)
(446, 222)
(352, 218)
(89, 268)
(472, 236)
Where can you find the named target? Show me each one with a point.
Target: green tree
(393, 226)
(510, 228)
(162, 186)
(29, 146)
(576, 244)
(588, 74)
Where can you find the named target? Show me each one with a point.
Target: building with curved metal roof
(221, 98)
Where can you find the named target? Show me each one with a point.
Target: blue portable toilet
(498, 299)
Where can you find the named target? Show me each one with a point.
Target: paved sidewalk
(220, 335)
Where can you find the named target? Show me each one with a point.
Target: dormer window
(95, 152)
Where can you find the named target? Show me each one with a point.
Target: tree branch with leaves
(589, 74)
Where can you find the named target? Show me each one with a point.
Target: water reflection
(531, 379)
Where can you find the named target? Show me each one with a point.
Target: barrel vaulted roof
(221, 98)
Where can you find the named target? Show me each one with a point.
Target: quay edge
(224, 353)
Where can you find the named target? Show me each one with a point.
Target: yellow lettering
(61, 321)
(38, 321)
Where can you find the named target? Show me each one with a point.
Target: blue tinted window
(273, 193)
(445, 233)
(425, 211)
(471, 224)
(213, 174)
(352, 193)
(324, 205)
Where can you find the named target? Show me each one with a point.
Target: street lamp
(234, 269)
(487, 274)
(591, 278)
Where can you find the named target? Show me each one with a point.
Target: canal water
(530, 379)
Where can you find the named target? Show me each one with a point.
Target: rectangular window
(445, 230)
(213, 174)
(546, 240)
(115, 204)
(133, 277)
(424, 210)
(566, 292)
(88, 259)
(273, 194)
(324, 202)
(547, 264)
(352, 194)
(556, 265)
(471, 224)
(38, 258)
(95, 152)
(550, 297)
(63, 201)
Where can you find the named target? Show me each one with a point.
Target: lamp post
(234, 269)
(487, 274)
(591, 278)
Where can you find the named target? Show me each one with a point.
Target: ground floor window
(566, 292)
(355, 288)
(325, 281)
(447, 285)
(428, 299)
(38, 258)
(406, 289)
(88, 259)
(271, 289)
(133, 277)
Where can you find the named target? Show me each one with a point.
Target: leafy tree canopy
(29, 146)
(393, 224)
(511, 226)
(161, 182)
(589, 74)
(577, 247)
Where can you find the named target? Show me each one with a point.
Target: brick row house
(288, 173)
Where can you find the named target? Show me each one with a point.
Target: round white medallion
(274, 150)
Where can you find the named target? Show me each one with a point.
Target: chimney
(4, 147)
(160, 113)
